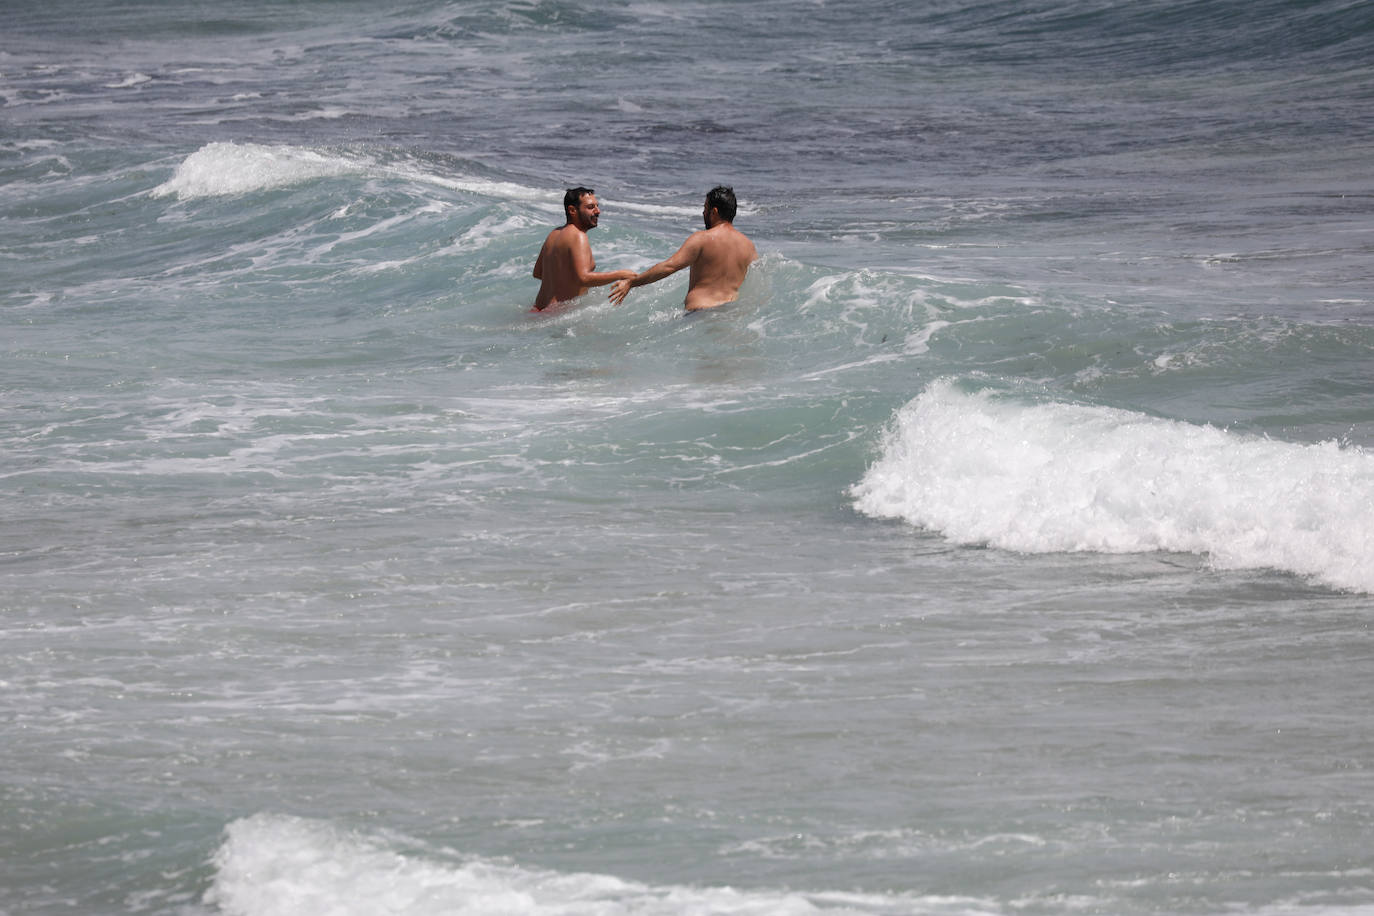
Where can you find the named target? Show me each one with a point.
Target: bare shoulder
(691, 247)
(552, 241)
(740, 242)
(747, 244)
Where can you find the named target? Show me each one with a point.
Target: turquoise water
(1004, 549)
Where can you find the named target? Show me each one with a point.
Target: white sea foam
(919, 341)
(271, 865)
(133, 79)
(1059, 477)
(221, 169)
(503, 189)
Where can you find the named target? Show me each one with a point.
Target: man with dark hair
(565, 267)
(723, 199)
(718, 255)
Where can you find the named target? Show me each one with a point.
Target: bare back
(719, 257)
(722, 258)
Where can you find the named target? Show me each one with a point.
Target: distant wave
(226, 169)
(1060, 477)
(274, 865)
(130, 81)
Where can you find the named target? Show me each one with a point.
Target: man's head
(722, 200)
(581, 207)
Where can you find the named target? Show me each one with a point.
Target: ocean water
(1007, 548)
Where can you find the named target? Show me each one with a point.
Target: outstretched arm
(585, 266)
(682, 258)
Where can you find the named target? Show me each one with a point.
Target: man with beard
(718, 255)
(565, 267)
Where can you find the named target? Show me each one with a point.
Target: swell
(1160, 34)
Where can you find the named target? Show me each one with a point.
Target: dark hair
(573, 198)
(723, 199)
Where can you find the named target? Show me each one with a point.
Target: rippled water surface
(1004, 549)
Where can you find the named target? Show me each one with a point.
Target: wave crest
(274, 864)
(1061, 478)
(224, 169)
